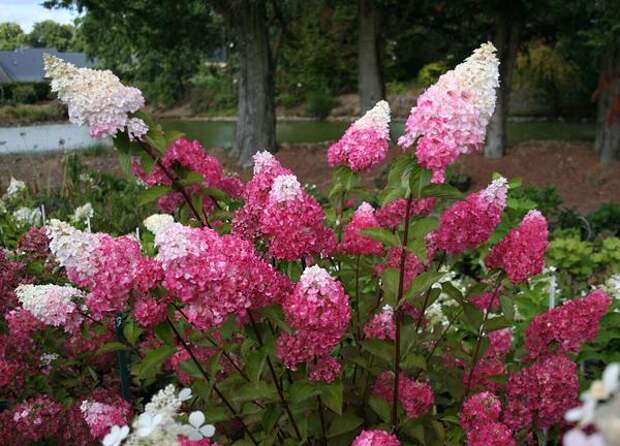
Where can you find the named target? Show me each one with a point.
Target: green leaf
(271, 415)
(473, 316)
(382, 235)
(303, 390)
(216, 414)
(381, 408)
(347, 422)
(419, 180)
(255, 362)
(190, 367)
(422, 226)
(413, 360)
(381, 349)
(164, 332)
(390, 280)
(453, 292)
(415, 429)
(131, 331)
(497, 323)
(111, 347)
(508, 308)
(190, 177)
(154, 360)
(442, 191)
(255, 391)
(153, 193)
(423, 282)
(332, 396)
(215, 193)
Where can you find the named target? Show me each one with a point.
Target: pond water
(222, 133)
(58, 137)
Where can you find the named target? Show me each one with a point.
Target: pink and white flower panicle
(96, 98)
(450, 118)
(365, 144)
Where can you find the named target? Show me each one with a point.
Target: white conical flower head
(496, 192)
(263, 160)
(285, 188)
(377, 118)
(156, 222)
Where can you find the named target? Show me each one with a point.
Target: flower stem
(397, 314)
(275, 377)
(206, 377)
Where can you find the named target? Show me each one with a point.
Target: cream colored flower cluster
(96, 98)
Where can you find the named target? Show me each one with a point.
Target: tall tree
(370, 80)
(510, 19)
(11, 36)
(256, 118)
(50, 34)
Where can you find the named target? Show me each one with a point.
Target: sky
(28, 12)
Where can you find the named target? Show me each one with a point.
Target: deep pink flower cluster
(491, 434)
(413, 265)
(119, 268)
(382, 325)
(376, 438)
(354, 242)
(215, 276)
(35, 244)
(38, 418)
(327, 370)
(319, 310)
(540, 394)
(365, 144)
(246, 221)
(479, 409)
(488, 300)
(293, 222)
(9, 279)
(149, 312)
(416, 397)
(500, 342)
(450, 118)
(393, 213)
(521, 253)
(567, 327)
(190, 155)
(22, 324)
(470, 222)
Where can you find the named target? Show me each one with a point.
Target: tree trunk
(256, 122)
(369, 79)
(607, 142)
(508, 29)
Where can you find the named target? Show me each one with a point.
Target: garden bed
(572, 168)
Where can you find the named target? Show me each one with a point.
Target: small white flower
(576, 437)
(15, 187)
(185, 394)
(147, 423)
(83, 212)
(196, 429)
(156, 222)
(116, 436)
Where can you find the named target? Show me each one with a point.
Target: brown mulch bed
(572, 168)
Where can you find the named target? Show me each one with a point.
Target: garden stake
(123, 370)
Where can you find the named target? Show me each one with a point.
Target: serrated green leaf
(382, 235)
(445, 191)
(381, 349)
(255, 391)
(152, 363)
(190, 367)
(508, 308)
(131, 331)
(423, 282)
(153, 193)
(255, 363)
(473, 316)
(271, 415)
(111, 347)
(420, 179)
(381, 407)
(390, 280)
(302, 390)
(332, 396)
(419, 228)
(164, 332)
(347, 422)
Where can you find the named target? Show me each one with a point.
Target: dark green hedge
(24, 92)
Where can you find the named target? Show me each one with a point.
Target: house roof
(26, 64)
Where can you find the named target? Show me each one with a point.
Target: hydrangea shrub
(258, 314)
